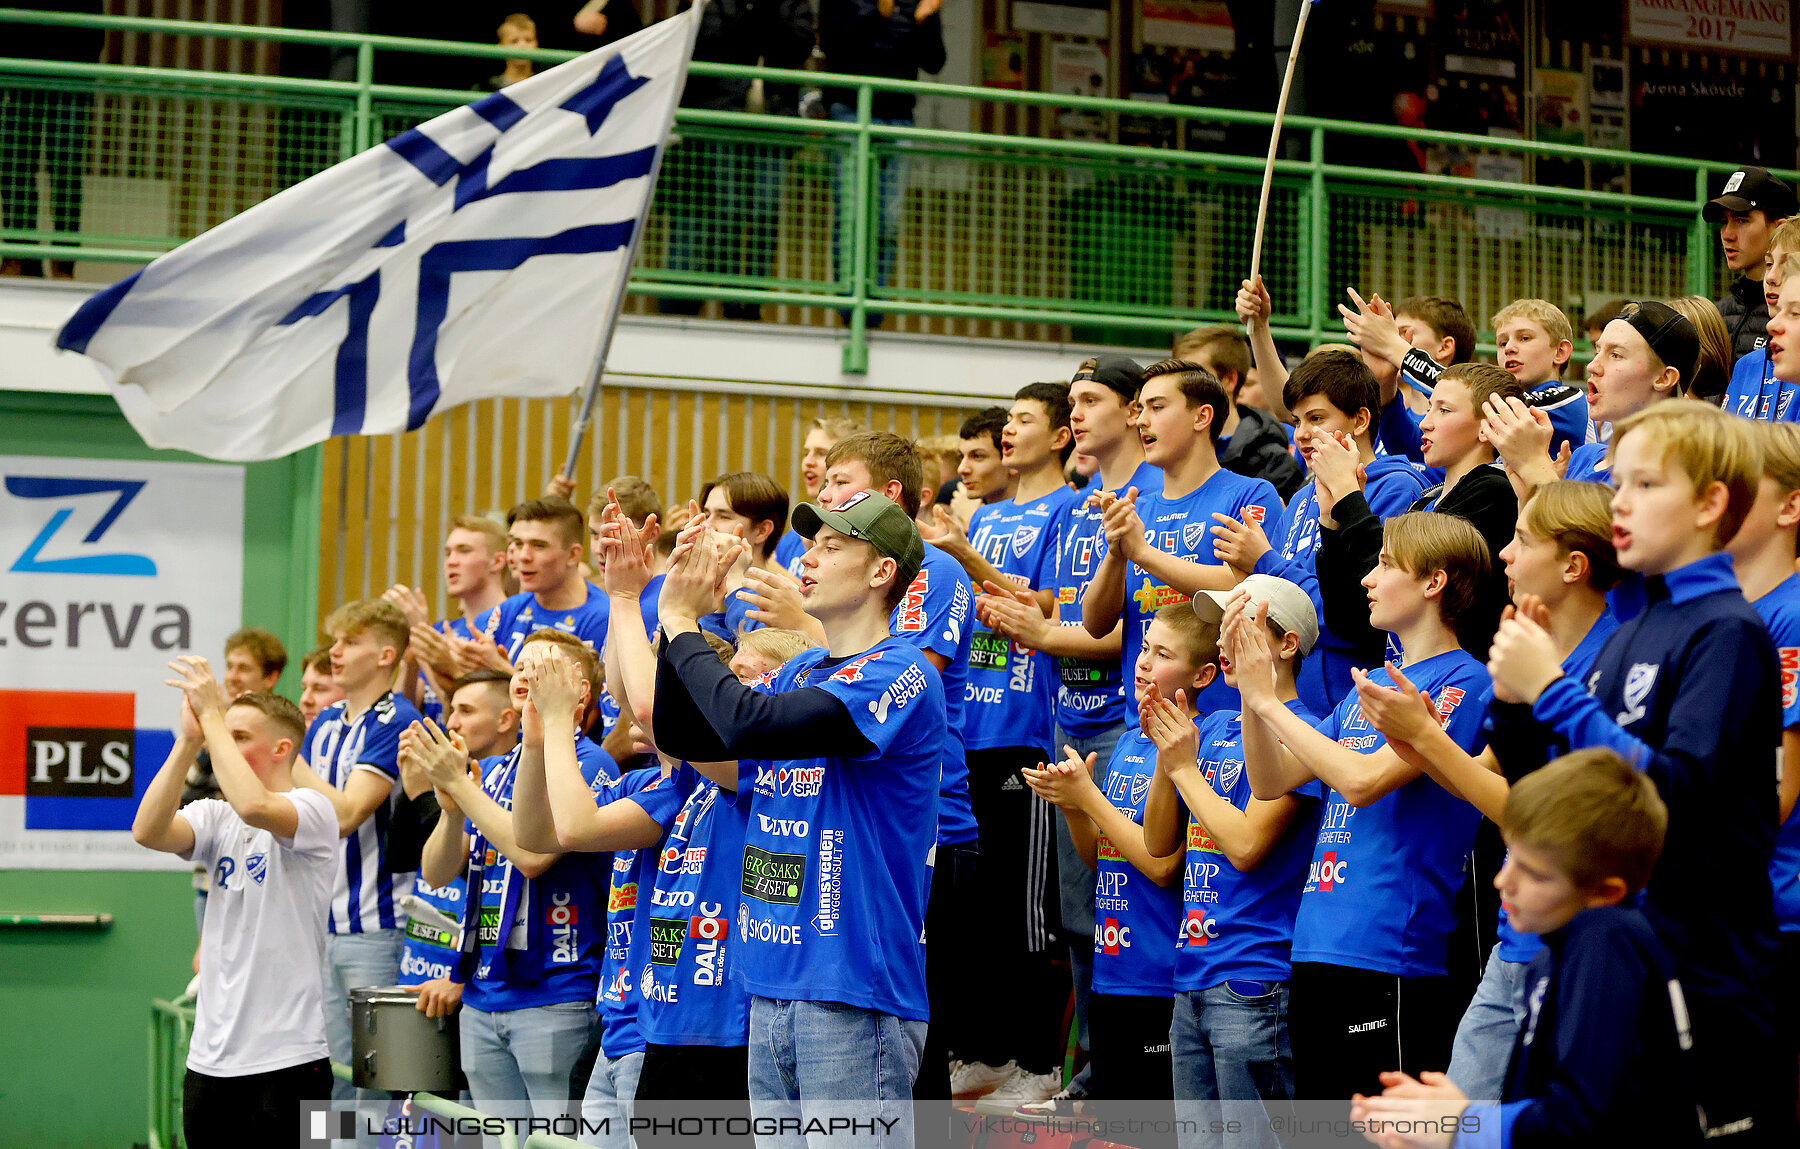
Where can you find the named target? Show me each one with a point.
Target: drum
(397, 1048)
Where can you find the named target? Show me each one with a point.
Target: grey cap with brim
(1289, 607)
(875, 520)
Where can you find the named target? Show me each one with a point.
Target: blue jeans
(610, 1093)
(1076, 878)
(823, 1059)
(1484, 1037)
(890, 189)
(519, 1055)
(351, 962)
(1231, 1047)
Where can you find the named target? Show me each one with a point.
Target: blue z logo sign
(44, 487)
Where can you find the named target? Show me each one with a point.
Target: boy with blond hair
(1535, 340)
(351, 755)
(1688, 689)
(1604, 1054)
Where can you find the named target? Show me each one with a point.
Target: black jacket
(1484, 497)
(1258, 449)
(776, 33)
(1746, 315)
(859, 41)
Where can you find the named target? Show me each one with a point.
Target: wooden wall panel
(388, 500)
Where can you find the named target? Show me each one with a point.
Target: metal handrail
(868, 142)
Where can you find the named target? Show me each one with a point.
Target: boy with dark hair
(1136, 908)
(1252, 442)
(934, 617)
(1747, 210)
(258, 1048)
(1392, 843)
(1605, 1052)
(981, 473)
(755, 506)
(837, 754)
(1689, 690)
(1153, 552)
(317, 688)
(1334, 398)
(1474, 489)
(1090, 702)
(355, 745)
(544, 548)
(1013, 545)
(1245, 861)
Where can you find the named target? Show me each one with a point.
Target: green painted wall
(75, 1006)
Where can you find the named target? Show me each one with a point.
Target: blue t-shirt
(336, 746)
(1011, 690)
(688, 996)
(1380, 893)
(1090, 693)
(788, 549)
(1397, 432)
(1134, 918)
(1183, 527)
(429, 951)
(649, 604)
(628, 908)
(733, 620)
(1393, 483)
(1588, 465)
(935, 616)
(536, 941)
(1239, 925)
(1514, 945)
(522, 614)
(837, 865)
(1780, 608)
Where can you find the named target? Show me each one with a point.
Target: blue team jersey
(336, 746)
(837, 865)
(436, 913)
(689, 997)
(1392, 485)
(1397, 432)
(1567, 408)
(628, 909)
(1183, 527)
(935, 616)
(788, 549)
(1514, 945)
(1380, 893)
(537, 940)
(1134, 918)
(1238, 925)
(1755, 393)
(1780, 608)
(1011, 690)
(1090, 694)
(522, 613)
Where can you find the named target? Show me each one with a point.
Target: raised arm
(1244, 836)
(1070, 785)
(445, 759)
(158, 823)
(579, 823)
(252, 801)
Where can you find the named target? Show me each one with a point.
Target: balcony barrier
(851, 220)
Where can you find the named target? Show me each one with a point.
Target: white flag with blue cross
(483, 254)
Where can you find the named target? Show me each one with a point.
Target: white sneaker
(1019, 1089)
(975, 1078)
(1059, 1104)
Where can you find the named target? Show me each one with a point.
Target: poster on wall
(108, 570)
(1753, 27)
(1189, 24)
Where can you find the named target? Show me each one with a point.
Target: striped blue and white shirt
(337, 745)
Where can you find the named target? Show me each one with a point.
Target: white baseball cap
(1289, 607)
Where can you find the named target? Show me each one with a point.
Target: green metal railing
(1029, 237)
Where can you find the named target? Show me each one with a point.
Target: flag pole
(591, 394)
(1287, 83)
